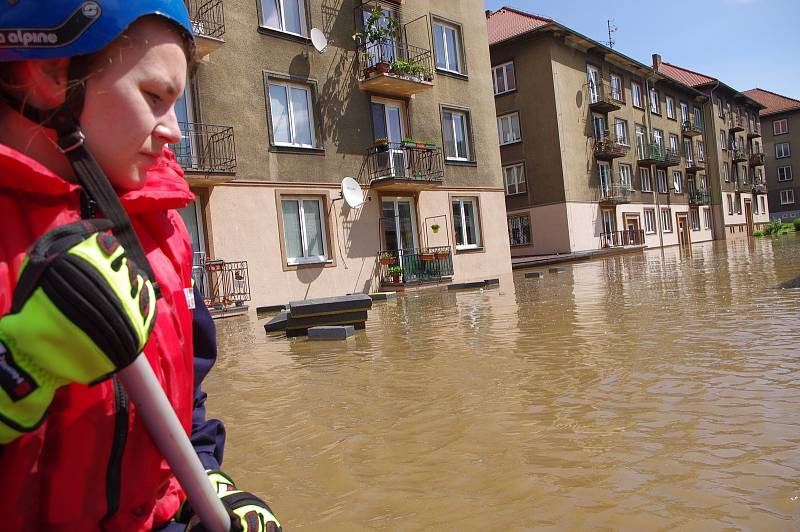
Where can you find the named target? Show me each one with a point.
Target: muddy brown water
(643, 392)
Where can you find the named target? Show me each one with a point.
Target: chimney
(656, 62)
(488, 13)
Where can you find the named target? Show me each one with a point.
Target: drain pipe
(720, 231)
(649, 123)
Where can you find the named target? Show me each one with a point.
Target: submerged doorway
(684, 237)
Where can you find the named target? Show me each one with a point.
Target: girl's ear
(43, 83)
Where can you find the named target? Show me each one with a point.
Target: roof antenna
(611, 30)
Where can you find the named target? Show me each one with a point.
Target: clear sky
(743, 43)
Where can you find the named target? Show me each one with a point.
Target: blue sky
(744, 43)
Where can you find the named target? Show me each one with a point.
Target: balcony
(754, 131)
(759, 188)
(630, 237)
(735, 124)
(655, 153)
(402, 166)
(614, 194)
(695, 165)
(225, 286)
(608, 147)
(206, 152)
(738, 156)
(415, 266)
(208, 24)
(699, 197)
(755, 159)
(602, 99)
(691, 129)
(386, 67)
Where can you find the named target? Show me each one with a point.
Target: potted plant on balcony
(442, 253)
(378, 27)
(435, 228)
(426, 255)
(381, 144)
(408, 142)
(394, 273)
(430, 145)
(386, 258)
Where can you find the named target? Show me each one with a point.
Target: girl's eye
(154, 98)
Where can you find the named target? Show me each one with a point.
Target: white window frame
(661, 179)
(706, 218)
(723, 140)
(462, 201)
(466, 122)
(730, 204)
(306, 259)
(726, 174)
(780, 126)
(684, 112)
(694, 219)
(787, 173)
(655, 101)
(780, 152)
(666, 220)
(763, 205)
(459, 51)
(621, 126)
(650, 221)
(289, 109)
(281, 14)
(670, 103)
(646, 184)
(511, 218)
(787, 196)
(618, 92)
(502, 70)
(755, 206)
(677, 181)
(626, 176)
(720, 108)
(636, 94)
(517, 173)
(508, 120)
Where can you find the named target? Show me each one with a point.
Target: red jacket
(92, 452)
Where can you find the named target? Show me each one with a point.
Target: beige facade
(419, 137)
(593, 152)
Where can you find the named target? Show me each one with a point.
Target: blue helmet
(49, 29)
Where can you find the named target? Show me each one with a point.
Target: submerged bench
(327, 311)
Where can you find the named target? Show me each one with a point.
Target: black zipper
(114, 470)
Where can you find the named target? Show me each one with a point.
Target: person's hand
(81, 311)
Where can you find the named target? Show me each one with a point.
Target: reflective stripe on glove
(80, 312)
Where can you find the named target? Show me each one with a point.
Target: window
(706, 218)
(621, 130)
(661, 181)
(782, 150)
(688, 153)
(677, 181)
(666, 220)
(670, 107)
(455, 129)
(617, 90)
(701, 150)
(599, 126)
(720, 108)
(604, 176)
(763, 205)
(725, 172)
(515, 179)
(703, 182)
(649, 221)
(304, 230)
(639, 131)
(519, 230)
(723, 140)
(787, 197)
(504, 80)
(655, 103)
(730, 203)
(658, 138)
(292, 115)
(508, 128)
(755, 207)
(284, 15)
(694, 216)
(447, 41)
(784, 173)
(644, 179)
(673, 142)
(465, 223)
(698, 118)
(636, 93)
(625, 176)
(780, 127)
(738, 204)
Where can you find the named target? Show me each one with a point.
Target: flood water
(643, 392)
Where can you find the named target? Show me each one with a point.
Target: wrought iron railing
(756, 159)
(760, 188)
(609, 147)
(206, 148)
(416, 265)
(207, 17)
(655, 153)
(690, 128)
(738, 155)
(614, 193)
(402, 160)
(629, 237)
(602, 95)
(225, 284)
(735, 122)
(388, 56)
(699, 197)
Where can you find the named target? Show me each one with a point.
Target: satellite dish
(319, 40)
(352, 193)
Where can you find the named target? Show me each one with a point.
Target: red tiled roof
(775, 103)
(506, 23)
(685, 76)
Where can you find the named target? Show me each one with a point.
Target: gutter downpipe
(649, 123)
(716, 227)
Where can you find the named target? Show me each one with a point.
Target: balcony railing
(609, 147)
(754, 130)
(699, 197)
(735, 123)
(206, 149)
(602, 98)
(629, 237)
(738, 155)
(416, 265)
(223, 284)
(691, 129)
(402, 165)
(657, 154)
(756, 159)
(208, 24)
(695, 165)
(385, 66)
(760, 188)
(614, 193)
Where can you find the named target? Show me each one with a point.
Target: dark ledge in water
(791, 283)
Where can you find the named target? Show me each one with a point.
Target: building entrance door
(748, 216)
(388, 122)
(400, 232)
(632, 238)
(684, 237)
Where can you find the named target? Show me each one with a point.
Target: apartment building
(292, 96)
(734, 151)
(598, 150)
(781, 130)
